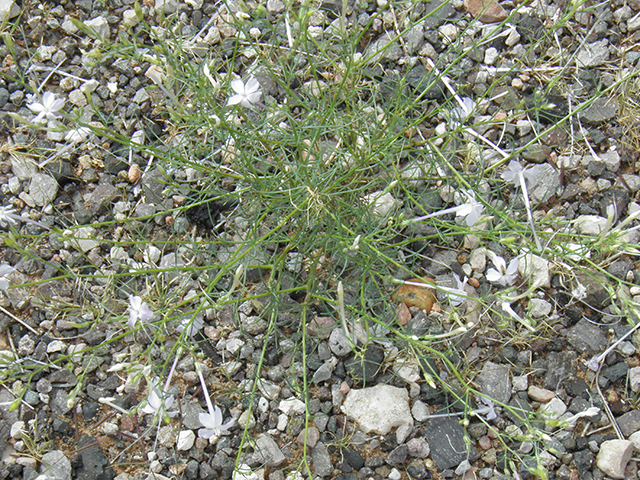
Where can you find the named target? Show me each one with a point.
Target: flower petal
(205, 433)
(217, 416)
(493, 275)
(4, 283)
(236, 99)
(206, 420)
(36, 107)
(238, 87)
(251, 86)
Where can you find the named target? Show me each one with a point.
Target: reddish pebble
(344, 388)
(484, 442)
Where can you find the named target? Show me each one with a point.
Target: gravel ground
(372, 420)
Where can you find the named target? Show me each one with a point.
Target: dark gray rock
(223, 464)
(446, 439)
(101, 198)
(586, 338)
(92, 463)
(398, 456)
(620, 269)
(153, 184)
(560, 365)
(425, 83)
(615, 372)
(363, 370)
(629, 422)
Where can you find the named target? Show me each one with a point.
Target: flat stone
(546, 184)
(601, 110)
(267, 451)
(101, 198)
(447, 442)
(43, 189)
(587, 338)
(292, 406)
(593, 54)
(8, 10)
(629, 422)
(55, 465)
(420, 411)
(378, 409)
(100, 27)
(321, 460)
(339, 343)
(539, 308)
(418, 447)
(487, 11)
(494, 382)
(536, 269)
(93, 462)
(613, 457)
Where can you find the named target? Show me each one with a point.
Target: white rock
(282, 422)
(539, 308)
(590, 224)
(17, 429)
(100, 26)
(635, 439)
(130, 18)
(520, 383)
(490, 55)
(420, 411)
(613, 457)
(151, 255)
(292, 406)
(82, 238)
(186, 438)
(554, 408)
(536, 269)
(109, 428)
(449, 33)
(634, 379)
(407, 369)
(394, 474)
(478, 260)
(378, 409)
(8, 9)
(382, 203)
(166, 6)
(56, 346)
(68, 26)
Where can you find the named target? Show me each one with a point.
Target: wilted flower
(516, 174)
(191, 325)
(47, 110)
(456, 294)
(212, 423)
(503, 274)
(156, 405)
(247, 94)
(4, 271)
(138, 310)
(77, 134)
(7, 215)
(459, 114)
(471, 210)
(488, 411)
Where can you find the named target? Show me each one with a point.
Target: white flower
(212, 423)
(502, 274)
(246, 93)
(456, 294)
(488, 410)
(460, 114)
(47, 110)
(4, 271)
(191, 326)
(7, 216)
(513, 172)
(77, 135)
(157, 406)
(138, 310)
(471, 210)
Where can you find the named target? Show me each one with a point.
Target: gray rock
(100, 27)
(420, 411)
(634, 379)
(593, 54)
(613, 457)
(629, 422)
(398, 456)
(58, 402)
(494, 382)
(166, 6)
(386, 48)
(190, 412)
(587, 338)
(4, 93)
(447, 441)
(546, 184)
(275, 6)
(55, 465)
(539, 308)
(418, 447)
(339, 343)
(321, 460)
(378, 409)
(590, 224)
(423, 82)
(153, 183)
(101, 198)
(43, 189)
(267, 451)
(601, 110)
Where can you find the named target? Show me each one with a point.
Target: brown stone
(413, 294)
(487, 11)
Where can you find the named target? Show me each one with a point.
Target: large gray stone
(321, 460)
(378, 409)
(43, 189)
(447, 441)
(586, 338)
(268, 452)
